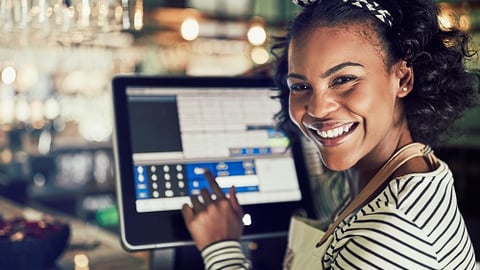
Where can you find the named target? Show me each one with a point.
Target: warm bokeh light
(22, 109)
(446, 18)
(7, 114)
(6, 156)
(445, 21)
(190, 29)
(81, 262)
(257, 35)
(27, 76)
(259, 55)
(8, 75)
(464, 22)
(36, 114)
(138, 16)
(52, 108)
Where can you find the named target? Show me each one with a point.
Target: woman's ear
(405, 76)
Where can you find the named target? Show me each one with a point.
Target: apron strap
(403, 155)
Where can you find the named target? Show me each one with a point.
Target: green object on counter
(107, 217)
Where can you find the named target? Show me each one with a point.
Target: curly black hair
(443, 88)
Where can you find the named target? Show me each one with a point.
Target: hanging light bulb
(138, 15)
(190, 29)
(257, 35)
(446, 18)
(259, 55)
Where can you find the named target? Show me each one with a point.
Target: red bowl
(29, 245)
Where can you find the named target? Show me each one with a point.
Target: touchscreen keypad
(167, 181)
(161, 181)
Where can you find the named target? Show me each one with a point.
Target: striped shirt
(414, 223)
(225, 255)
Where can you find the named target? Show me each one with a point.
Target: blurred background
(57, 59)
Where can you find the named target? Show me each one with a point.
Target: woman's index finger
(213, 184)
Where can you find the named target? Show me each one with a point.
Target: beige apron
(301, 252)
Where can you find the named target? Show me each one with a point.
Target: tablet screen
(173, 129)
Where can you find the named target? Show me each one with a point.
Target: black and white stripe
(371, 5)
(413, 224)
(225, 255)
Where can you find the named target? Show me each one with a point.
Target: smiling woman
(371, 83)
(347, 90)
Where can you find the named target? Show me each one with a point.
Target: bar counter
(92, 247)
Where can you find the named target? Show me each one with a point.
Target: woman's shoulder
(418, 189)
(409, 205)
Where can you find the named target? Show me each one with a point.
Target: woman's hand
(213, 219)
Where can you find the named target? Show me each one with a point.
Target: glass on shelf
(65, 22)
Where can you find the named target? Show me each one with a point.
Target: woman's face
(342, 96)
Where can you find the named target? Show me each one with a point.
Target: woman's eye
(298, 87)
(343, 79)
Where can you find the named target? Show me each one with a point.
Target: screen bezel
(141, 231)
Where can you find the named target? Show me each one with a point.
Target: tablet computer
(168, 129)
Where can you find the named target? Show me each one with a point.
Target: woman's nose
(321, 104)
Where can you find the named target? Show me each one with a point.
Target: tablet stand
(183, 257)
(180, 257)
(162, 259)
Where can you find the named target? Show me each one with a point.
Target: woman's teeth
(333, 133)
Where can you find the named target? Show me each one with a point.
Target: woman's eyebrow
(338, 67)
(296, 76)
(327, 73)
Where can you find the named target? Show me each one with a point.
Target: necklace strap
(403, 155)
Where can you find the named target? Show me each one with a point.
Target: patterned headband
(370, 5)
